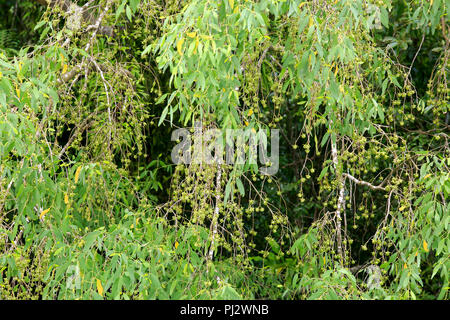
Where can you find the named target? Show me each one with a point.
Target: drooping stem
(340, 202)
(364, 183)
(341, 196)
(215, 217)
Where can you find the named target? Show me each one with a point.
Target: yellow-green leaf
(425, 246)
(302, 4)
(180, 46)
(99, 287)
(196, 45)
(77, 174)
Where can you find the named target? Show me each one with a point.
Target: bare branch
(364, 183)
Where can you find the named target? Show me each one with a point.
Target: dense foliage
(92, 206)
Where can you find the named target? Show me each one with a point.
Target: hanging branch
(66, 77)
(79, 129)
(215, 216)
(87, 17)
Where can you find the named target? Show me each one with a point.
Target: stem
(341, 198)
(215, 217)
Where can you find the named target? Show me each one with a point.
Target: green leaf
(120, 9)
(240, 186)
(39, 24)
(128, 12)
(229, 293)
(384, 17)
(163, 115)
(228, 189)
(134, 4)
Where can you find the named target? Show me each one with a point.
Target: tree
(358, 90)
